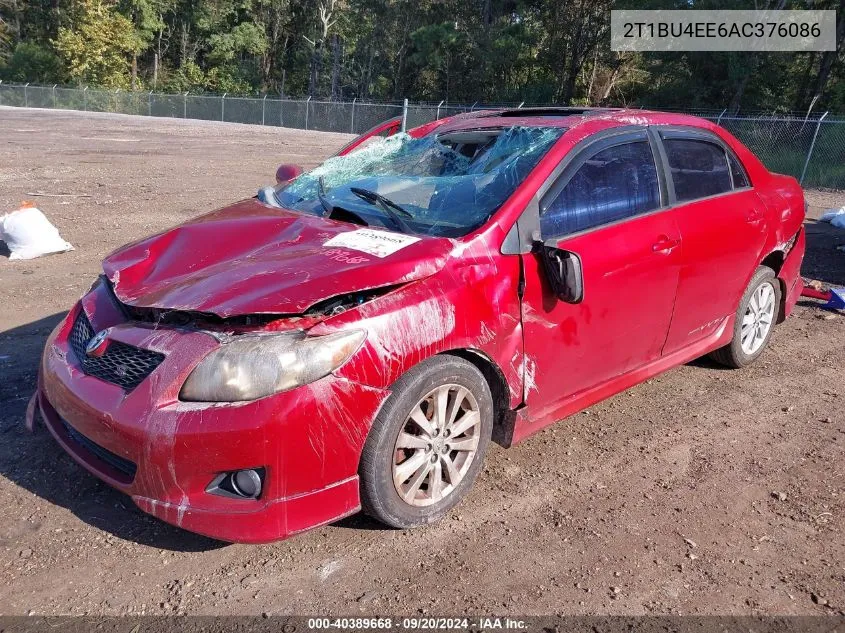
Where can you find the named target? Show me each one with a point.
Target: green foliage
(490, 51)
(97, 47)
(32, 63)
(147, 17)
(245, 39)
(439, 55)
(188, 77)
(5, 42)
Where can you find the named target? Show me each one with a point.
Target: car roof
(568, 117)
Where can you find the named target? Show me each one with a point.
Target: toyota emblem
(98, 343)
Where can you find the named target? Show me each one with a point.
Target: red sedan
(355, 336)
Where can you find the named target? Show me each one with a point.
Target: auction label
(378, 243)
(420, 623)
(722, 30)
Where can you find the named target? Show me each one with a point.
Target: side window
(616, 183)
(738, 172)
(699, 169)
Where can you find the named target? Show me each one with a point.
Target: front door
(608, 208)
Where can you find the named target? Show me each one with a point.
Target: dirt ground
(703, 491)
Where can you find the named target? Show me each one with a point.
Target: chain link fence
(810, 149)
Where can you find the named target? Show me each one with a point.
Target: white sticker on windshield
(378, 243)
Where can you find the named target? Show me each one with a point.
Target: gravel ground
(702, 491)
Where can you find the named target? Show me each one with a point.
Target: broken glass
(445, 185)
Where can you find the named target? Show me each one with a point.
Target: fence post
(25, 97)
(404, 115)
(263, 108)
(810, 151)
(1, 92)
(437, 116)
(352, 122)
(85, 98)
(185, 105)
(719, 120)
(150, 103)
(307, 103)
(55, 103)
(281, 109)
(223, 107)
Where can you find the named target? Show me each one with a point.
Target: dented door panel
(621, 324)
(723, 239)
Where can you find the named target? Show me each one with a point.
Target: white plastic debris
(835, 216)
(29, 234)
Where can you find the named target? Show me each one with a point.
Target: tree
(33, 63)
(436, 48)
(97, 49)
(147, 17)
(487, 51)
(9, 27)
(327, 12)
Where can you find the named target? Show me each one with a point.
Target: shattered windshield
(444, 185)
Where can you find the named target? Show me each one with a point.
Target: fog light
(241, 484)
(247, 483)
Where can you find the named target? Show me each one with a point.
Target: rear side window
(616, 183)
(737, 172)
(699, 169)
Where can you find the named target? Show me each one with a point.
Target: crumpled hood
(252, 259)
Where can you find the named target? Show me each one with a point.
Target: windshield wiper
(335, 212)
(392, 209)
(321, 196)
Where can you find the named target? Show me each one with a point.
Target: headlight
(254, 366)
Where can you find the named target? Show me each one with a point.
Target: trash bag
(835, 216)
(29, 234)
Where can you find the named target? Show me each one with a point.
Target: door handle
(665, 245)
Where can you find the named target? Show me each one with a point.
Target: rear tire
(755, 319)
(427, 443)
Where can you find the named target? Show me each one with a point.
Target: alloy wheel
(437, 445)
(758, 317)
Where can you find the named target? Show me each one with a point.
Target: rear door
(608, 208)
(723, 226)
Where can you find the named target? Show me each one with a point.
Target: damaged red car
(354, 337)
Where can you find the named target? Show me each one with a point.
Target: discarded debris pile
(29, 234)
(835, 216)
(834, 298)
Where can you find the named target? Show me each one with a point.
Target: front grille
(115, 461)
(121, 364)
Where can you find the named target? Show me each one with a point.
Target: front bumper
(308, 439)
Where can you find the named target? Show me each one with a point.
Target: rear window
(737, 172)
(699, 168)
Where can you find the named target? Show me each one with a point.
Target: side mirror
(563, 270)
(286, 172)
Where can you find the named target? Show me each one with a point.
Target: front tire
(427, 443)
(755, 318)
